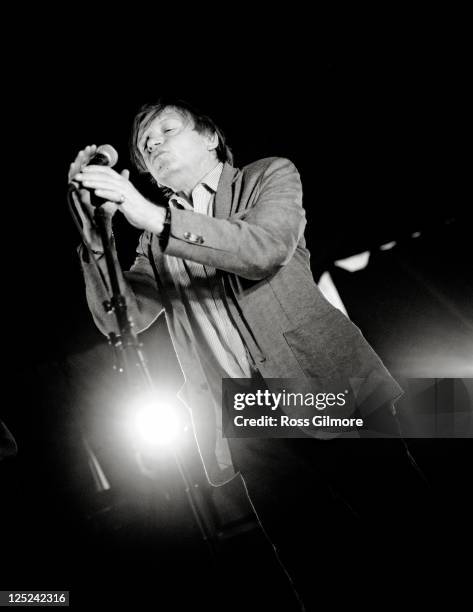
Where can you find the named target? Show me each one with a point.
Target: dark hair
(202, 124)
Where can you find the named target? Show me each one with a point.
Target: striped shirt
(205, 313)
(202, 294)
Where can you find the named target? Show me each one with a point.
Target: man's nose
(153, 143)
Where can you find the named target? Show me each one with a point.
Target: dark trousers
(348, 517)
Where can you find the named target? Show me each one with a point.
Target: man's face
(172, 150)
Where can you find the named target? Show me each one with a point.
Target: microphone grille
(109, 152)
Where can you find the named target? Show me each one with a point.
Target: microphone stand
(131, 361)
(127, 347)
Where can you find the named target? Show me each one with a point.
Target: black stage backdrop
(376, 130)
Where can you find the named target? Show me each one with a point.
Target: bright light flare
(155, 423)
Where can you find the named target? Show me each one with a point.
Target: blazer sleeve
(255, 245)
(138, 285)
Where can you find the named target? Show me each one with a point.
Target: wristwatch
(167, 218)
(164, 235)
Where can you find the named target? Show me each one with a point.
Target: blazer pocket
(310, 349)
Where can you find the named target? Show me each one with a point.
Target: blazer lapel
(223, 197)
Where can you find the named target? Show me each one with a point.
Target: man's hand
(120, 193)
(81, 198)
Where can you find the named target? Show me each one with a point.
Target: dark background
(376, 127)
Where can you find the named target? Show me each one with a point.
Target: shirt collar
(210, 180)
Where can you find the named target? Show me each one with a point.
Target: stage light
(354, 263)
(157, 426)
(154, 422)
(388, 246)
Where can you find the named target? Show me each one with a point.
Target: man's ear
(212, 141)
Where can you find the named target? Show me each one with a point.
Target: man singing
(226, 261)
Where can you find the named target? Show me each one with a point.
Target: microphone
(105, 155)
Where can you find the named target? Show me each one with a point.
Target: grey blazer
(256, 241)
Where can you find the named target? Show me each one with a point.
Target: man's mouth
(158, 154)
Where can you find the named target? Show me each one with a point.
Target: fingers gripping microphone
(105, 155)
